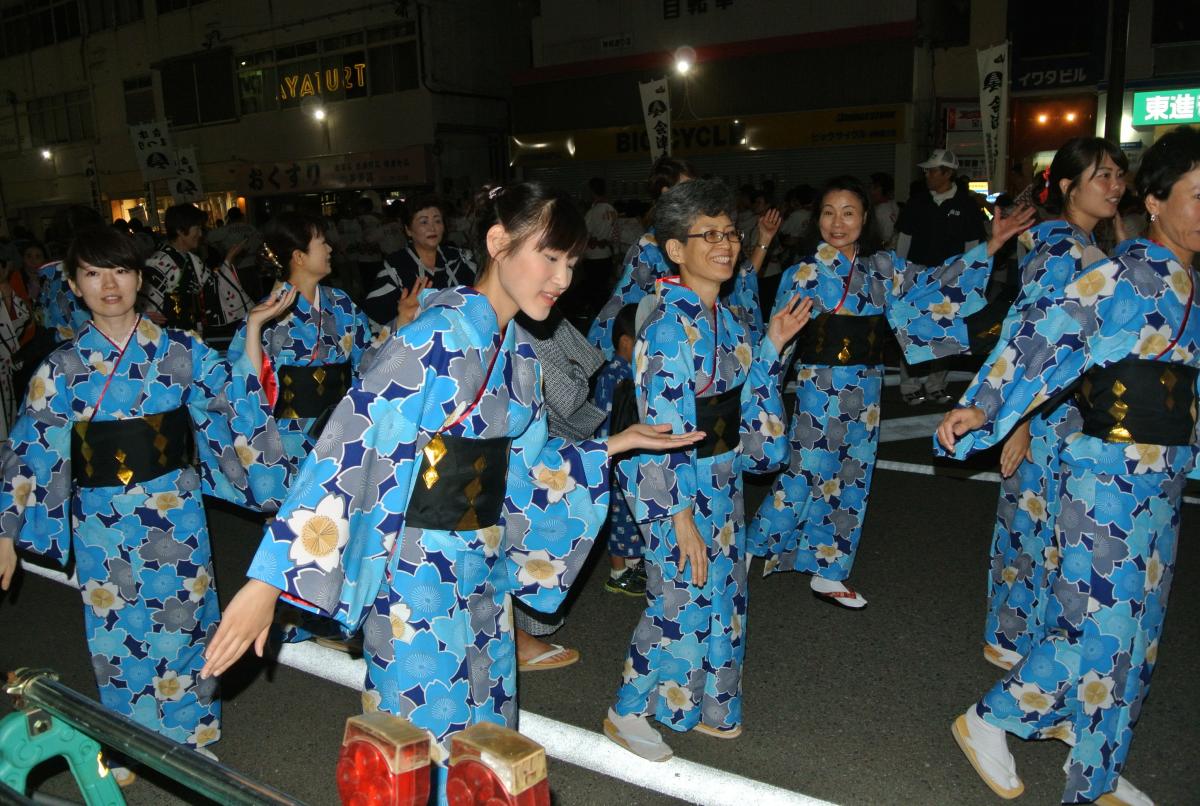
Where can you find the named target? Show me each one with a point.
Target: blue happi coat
(435, 605)
(645, 265)
(813, 519)
(1117, 521)
(685, 659)
(142, 556)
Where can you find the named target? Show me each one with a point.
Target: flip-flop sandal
(651, 751)
(542, 662)
(834, 597)
(962, 735)
(708, 730)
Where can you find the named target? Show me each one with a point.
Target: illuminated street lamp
(318, 113)
(46, 154)
(685, 59)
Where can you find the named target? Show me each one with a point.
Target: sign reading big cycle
(869, 125)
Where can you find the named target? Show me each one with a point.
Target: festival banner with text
(993, 103)
(656, 110)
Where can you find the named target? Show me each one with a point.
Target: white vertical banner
(152, 147)
(993, 106)
(186, 185)
(656, 110)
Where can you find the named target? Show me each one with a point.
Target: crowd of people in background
(566, 371)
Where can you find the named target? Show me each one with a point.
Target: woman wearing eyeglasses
(813, 520)
(696, 369)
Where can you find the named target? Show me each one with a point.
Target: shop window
(139, 100)
(62, 118)
(199, 89)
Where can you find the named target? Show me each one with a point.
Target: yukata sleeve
(158, 280)
(360, 338)
(658, 485)
(743, 300)
(241, 455)
(329, 546)
(1097, 320)
(764, 437)
(384, 294)
(35, 470)
(927, 306)
(555, 505)
(629, 289)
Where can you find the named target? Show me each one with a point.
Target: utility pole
(1117, 40)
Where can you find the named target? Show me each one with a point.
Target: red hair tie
(1045, 192)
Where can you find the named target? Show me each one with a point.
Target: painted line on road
(678, 778)
(900, 428)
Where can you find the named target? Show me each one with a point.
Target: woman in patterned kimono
(311, 351)
(100, 466)
(645, 265)
(1126, 333)
(433, 493)
(813, 520)
(697, 370)
(1083, 185)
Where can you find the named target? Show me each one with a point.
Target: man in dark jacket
(932, 227)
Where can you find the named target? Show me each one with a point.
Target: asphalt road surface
(847, 707)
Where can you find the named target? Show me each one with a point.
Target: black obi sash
(720, 418)
(306, 392)
(118, 453)
(983, 326)
(461, 484)
(1136, 400)
(834, 340)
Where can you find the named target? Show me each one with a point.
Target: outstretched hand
(1015, 450)
(642, 436)
(785, 324)
(271, 307)
(245, 621)
(958, 422)
(768, 224)
(8, 562)
(410, 302)
(1006, 226)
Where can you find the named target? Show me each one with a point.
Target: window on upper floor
(198, 89)
(139, 100)
(1175, 22)
(31, 25)
(103, 15)
(167, 6)
(62, 118)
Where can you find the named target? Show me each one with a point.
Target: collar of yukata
(673, 289)
(473, 307)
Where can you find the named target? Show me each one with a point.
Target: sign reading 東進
(1166, 107)
(372, 169)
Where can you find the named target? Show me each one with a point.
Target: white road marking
(678, 778)
(900, 428)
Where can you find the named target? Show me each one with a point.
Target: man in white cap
(932, 227)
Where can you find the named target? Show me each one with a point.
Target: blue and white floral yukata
(1118, 514)
(60, 310)
(336, 332)
(142, 556)
(813, 519)
(645, 265)
(1023, 540)
(685, 658)
(435, 605)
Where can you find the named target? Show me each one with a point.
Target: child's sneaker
(629, 583)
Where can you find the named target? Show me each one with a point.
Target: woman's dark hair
(1072, 161)
(182, 217)
(102, 247)
(1164, 163)
(868, 240)
(419, 203)
(679, 208)
(665, 174)
(527, 210)
(283, 235)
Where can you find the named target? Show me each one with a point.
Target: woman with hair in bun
(696, 368)
(812, 521)
(101, 468)
(313, 349)
(1081, 187)
(1126, 334)
(434, 493)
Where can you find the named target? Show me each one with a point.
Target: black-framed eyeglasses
(716, 236)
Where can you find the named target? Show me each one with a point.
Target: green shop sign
(1166, 107)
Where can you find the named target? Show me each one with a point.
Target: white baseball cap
(940, 158)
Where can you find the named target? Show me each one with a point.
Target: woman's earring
(1153, 217)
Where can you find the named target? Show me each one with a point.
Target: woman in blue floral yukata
(813, 519)
(1082, 186)
(1125, 335)
(99, 466)
(696, 369)
(434, 493)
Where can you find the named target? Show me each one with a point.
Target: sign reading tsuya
(1164, 107)
(299, 85)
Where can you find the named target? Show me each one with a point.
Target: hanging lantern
(491, 765)
(384, 762)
